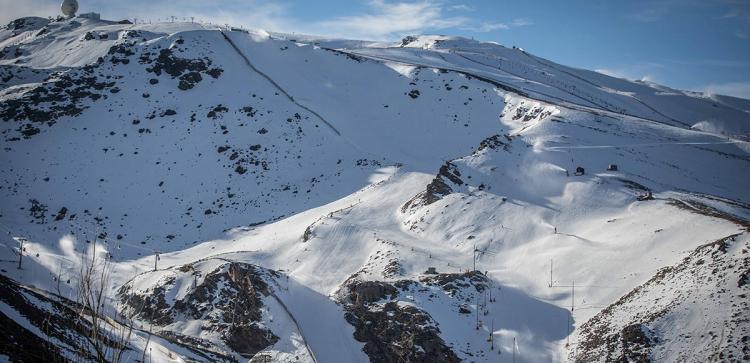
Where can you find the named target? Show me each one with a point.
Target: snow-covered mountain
(273, 197)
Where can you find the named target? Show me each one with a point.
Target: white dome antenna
(69, 8)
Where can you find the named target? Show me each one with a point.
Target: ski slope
(324, 163)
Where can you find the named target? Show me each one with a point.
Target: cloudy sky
(699, 45)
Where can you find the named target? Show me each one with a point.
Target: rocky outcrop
(188, 71)
(227, 300)
(453, 283)
(370, 291)
(449, 177)
(44, 326)
(440, 186)
(391, 330)
(640, 326)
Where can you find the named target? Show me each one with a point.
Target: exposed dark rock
(408, 40)
(495, 142)
(308, 234)
(38, 211)
(438, 187)
(370, 291)
(216, 110)
(61, 214)
(214, 72)
(56, 317)
(189, 80)
(228, 300)
(187, 70)
(62, 94)
(453, 282)
(248, 110)
(393, 332)
(28, 130)
(152, 306)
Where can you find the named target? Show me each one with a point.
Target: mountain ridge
(344, 171)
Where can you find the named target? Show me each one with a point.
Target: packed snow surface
(323, 159)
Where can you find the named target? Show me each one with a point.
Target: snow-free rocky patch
(225, 298)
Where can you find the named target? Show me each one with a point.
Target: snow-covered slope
(318, 180)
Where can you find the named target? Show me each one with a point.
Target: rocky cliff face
(226, 300)
(394, 328)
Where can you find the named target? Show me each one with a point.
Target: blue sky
(699, 45)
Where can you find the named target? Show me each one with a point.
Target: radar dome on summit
(69, 8)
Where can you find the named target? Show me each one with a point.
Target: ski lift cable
(108, 241)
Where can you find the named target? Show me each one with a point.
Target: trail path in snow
(550, 65)
(638, 145)
(276, 85)
(299, 328)
(519, 91)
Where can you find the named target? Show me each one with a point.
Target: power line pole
(477, 311)
(156, 259)
(573, 297)
(474, 253)
(550, 272)
(492, 335)
(485, 301)
(514, 349)
(21, 242)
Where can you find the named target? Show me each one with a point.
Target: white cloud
(381, 19)
(461, 7)
(251, 13)
(14, 9)
(488, 27)
(391, 19)
(521, 22)
(649, 15)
